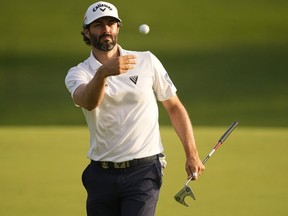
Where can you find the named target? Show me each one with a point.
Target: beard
(105, 45)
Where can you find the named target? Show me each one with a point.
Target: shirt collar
(95, 64)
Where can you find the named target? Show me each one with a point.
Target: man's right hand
(117, 66)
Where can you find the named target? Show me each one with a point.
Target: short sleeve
(163, 85)
(75, 78)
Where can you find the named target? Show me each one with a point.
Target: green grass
(216, 87)
(41, 172)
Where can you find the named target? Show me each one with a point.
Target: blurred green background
(228, 59)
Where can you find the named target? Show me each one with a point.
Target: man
(118, 92)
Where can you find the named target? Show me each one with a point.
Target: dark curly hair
(85, 38)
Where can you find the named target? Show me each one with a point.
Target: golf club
(186, 190)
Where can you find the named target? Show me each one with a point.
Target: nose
(106, 28)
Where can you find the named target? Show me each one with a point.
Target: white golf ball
(144, 29)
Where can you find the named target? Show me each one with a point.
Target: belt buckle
(104, 164)
(122, 165)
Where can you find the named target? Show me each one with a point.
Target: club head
(183, 193)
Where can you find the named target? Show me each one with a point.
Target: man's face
(103, 33)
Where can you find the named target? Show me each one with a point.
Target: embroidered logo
(104, 165)
(100, 6)
(134, 79)
(72, 83)
(167, 78)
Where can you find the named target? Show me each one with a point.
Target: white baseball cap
(98, 10)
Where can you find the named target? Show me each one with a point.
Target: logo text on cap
(100, 6)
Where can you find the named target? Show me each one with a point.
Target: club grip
(227, 133)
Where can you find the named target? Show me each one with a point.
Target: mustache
(105, 35)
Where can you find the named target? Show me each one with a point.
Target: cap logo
(100, 6)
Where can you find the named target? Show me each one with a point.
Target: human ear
(86, 32)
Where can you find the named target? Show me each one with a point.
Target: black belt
(125, 164)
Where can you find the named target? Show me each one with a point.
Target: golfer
(118, 91)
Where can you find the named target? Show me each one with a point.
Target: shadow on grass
(247, 84)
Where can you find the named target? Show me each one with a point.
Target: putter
(186, 190)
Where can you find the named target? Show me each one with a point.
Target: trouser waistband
(125, 164)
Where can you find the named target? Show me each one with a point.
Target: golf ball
(144, 29)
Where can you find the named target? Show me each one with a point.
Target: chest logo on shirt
(134, 79)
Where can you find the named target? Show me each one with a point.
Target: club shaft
(221, 140)
(208, 156)
(227, 133)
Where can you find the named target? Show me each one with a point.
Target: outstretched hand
(119, 65)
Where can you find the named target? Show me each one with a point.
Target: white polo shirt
(125, 125)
